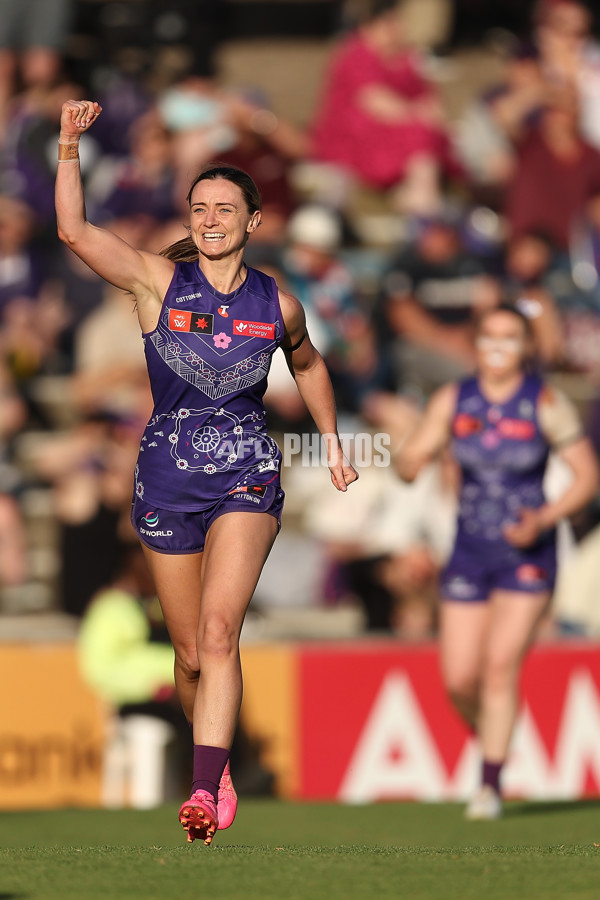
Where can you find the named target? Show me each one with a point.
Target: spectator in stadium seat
(557, 174)
(126, 656)
(21, 264)
(569, 56)
(140, 183)
(89, 469)
(316, 273)
(433, 294)
(32, 41)
(207, 122)
(489, 125)
(13, 540)
(528, 259)
(380, 119)
(385, 550)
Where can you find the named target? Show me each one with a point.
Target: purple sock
(490, 774)
(209, 763)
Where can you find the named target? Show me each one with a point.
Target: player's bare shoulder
(150, 292)
(160, 270)
(442, 403)
(294, 319)
(290, 305)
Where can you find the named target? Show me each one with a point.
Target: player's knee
(186, 660)
(499, 673)
(217, 637)
(463, 687)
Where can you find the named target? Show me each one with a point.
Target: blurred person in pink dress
(380, 118)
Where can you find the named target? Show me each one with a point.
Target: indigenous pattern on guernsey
(208, 373)
(502, 454)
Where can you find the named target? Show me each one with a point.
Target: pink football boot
(227, 800)
(199, 817)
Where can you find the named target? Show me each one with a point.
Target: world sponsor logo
(458, 586)
(151, 519)
(155, 533)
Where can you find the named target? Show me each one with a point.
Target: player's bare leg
(514, 617)
(463, 631)
(227, 581)
(513, 623)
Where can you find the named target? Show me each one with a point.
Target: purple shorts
(475, 569)
(167, 531)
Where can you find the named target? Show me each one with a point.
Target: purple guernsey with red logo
(502, 454)
(208, 361)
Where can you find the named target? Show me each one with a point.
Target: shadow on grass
(549, 806)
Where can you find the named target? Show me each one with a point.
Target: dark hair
(507, 308)
(375, 9)
(538, 234)
(185, 250)
(544, 8)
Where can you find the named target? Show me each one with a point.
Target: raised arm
(312, 378)
(430, 436)
(146, 275)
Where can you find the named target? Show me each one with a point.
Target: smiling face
(219, 218)
(501, 344)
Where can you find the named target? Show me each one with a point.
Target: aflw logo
(184, 320)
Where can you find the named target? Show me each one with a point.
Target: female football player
(500, 425)
(207, 499)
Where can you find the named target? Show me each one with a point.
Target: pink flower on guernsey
(222, 340)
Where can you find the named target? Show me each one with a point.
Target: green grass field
(297, 851)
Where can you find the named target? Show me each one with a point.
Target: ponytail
(183, 250)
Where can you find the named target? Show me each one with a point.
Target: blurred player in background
(501, 425)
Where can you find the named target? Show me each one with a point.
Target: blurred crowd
(394, 222)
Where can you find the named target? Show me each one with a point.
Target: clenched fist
(77, 116)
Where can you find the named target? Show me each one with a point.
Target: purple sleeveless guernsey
(502, 454)
(208, 361)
